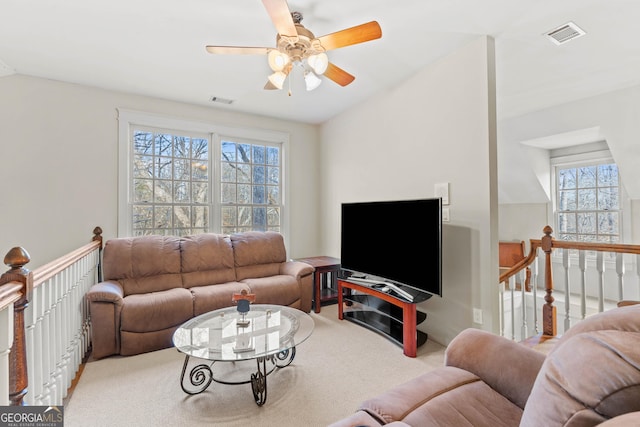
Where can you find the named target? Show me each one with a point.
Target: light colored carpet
(338, 367)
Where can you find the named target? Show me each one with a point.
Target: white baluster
(582, 263)
(534, 290)
(501, 306)
(523, 289)
(620, 273)
(512, 294)
(566, 263)
(600, 268)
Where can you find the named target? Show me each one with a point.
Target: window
(170, 182)
(250, 186)
(588, 203)
(181, 178)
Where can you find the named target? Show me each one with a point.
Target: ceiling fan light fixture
(277, 79)
(318, 62)
(277, 60)
(311, 80)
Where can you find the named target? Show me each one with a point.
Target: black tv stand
(394, 317)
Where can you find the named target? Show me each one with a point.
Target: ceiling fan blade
(354, 35)
(270, 86)
(237, 50)
(279, 12)
(338, 75)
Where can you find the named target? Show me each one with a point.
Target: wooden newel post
(548, 310)
(17, 258)
(97, 237)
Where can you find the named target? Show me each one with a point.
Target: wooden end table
(325, 279)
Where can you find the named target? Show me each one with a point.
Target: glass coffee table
(267, 334)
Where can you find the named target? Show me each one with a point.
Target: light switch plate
(442, 190)
(445, 214)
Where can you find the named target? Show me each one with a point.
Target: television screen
(399, 242)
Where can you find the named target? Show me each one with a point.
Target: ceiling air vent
(221, 100)
(564, 33)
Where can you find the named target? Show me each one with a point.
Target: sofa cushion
(143, 264)
(258, 254)
(213, 297)
(278, 290)
(587, 379)
(447, 396)
(207, 259)
(156, 311)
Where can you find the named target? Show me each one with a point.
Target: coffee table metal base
(201, 376)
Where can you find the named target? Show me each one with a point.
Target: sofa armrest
(297, 269)
(303, 273)
(106, 292)
(105, 304)
(506, 366)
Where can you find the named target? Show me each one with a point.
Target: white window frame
(130, 118)
(590, 158)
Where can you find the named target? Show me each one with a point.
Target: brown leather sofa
(591, 376)
(153, 284)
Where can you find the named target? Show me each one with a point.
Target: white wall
(439, 126)
(59, 150)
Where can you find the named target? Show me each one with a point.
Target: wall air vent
(221, 100)
(564, 33)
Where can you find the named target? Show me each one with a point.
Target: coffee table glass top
(219, 336)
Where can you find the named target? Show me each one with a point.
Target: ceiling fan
(296, 45)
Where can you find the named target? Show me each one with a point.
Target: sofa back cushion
(592, 374)
(143, 264)
(258, 254)
(207, 259)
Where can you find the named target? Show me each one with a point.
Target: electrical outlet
(477, 316)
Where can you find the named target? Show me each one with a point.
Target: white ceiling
(157, 48)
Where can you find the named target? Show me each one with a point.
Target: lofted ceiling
(157, 48)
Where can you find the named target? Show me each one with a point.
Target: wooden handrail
(547, 244)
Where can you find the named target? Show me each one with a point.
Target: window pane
(244, 216)
(182, 192)
(244, 173)
(608, 175)
(163, 191)
(273, 217)
(244, 194)
(163, 145)
(163, 167)
(259, 155)
(143, 143)
(182, 146)
(608, 223)
(567, 223)
(228, 151)
(200, 192)
(587, 199)
(258, 194)
(587, 177)
(142, 216)
(274, 175)
(608, 198)
(587, 223)
(162, 217)
(568, 200)
(200, 217)
(228, 172)
(258, 174)
(142, 190)
(274, 196)
(273, 156)
(228, 193)
(260, 219)
(142, 166)
(182, 216)
(566, 179)
(229, 216)
(244, 153)
(200, 149)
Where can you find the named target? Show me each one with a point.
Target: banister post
(548, 310)
(97, 236)
(17, 258)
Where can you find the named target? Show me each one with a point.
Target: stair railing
(548, 314)
(49, 323)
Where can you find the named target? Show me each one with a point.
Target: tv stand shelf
(379, 311)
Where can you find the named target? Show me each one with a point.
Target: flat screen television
(398, 242)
